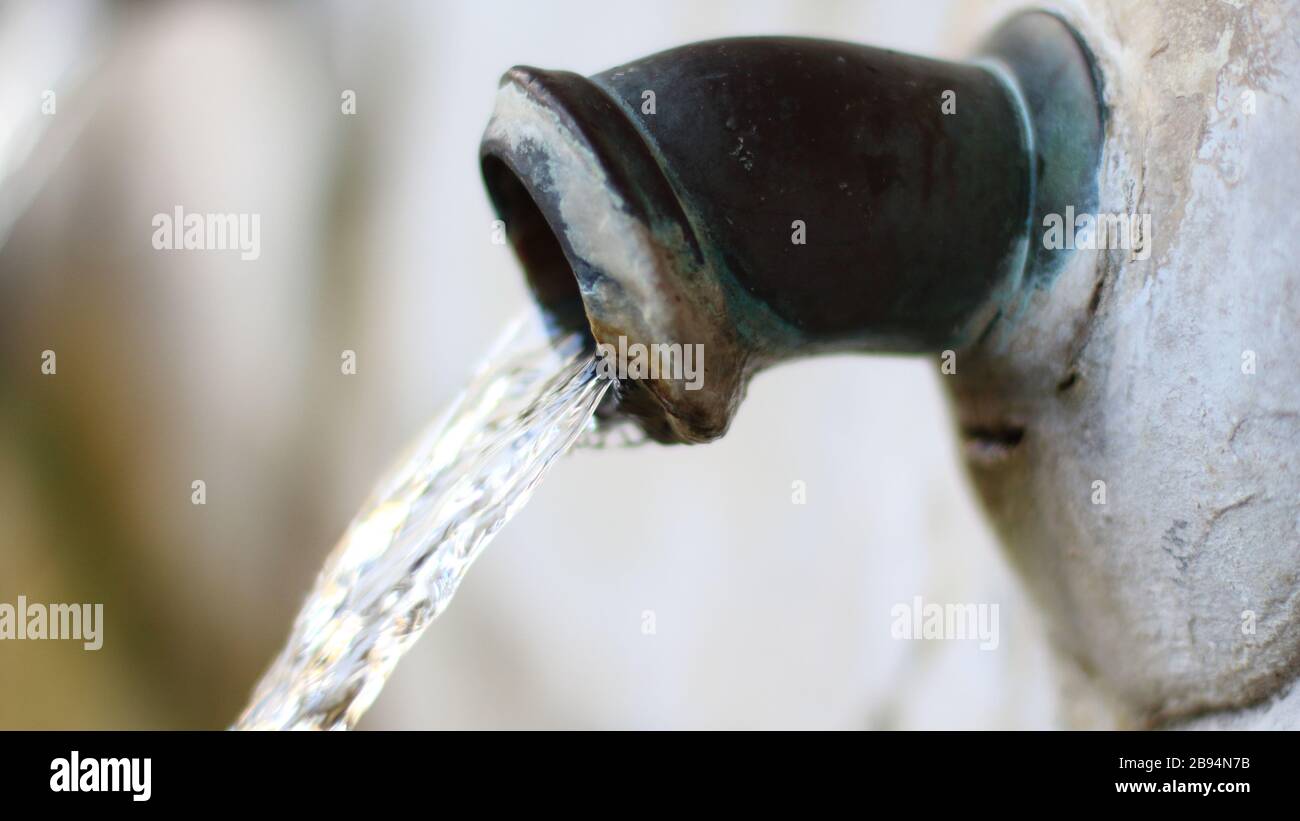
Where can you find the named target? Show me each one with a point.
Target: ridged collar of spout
(604, 243)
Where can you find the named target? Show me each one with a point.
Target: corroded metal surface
(769, 198)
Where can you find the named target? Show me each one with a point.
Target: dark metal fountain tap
(775, 197)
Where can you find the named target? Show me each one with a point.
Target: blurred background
(376, 237)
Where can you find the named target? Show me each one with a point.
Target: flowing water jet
(402, 558)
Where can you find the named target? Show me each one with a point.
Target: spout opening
(547, 270)
(606, 249)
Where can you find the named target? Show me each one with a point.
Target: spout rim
(639, 273)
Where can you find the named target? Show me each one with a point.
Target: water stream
(402, 558)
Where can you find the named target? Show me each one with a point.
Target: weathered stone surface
(1130, 372)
